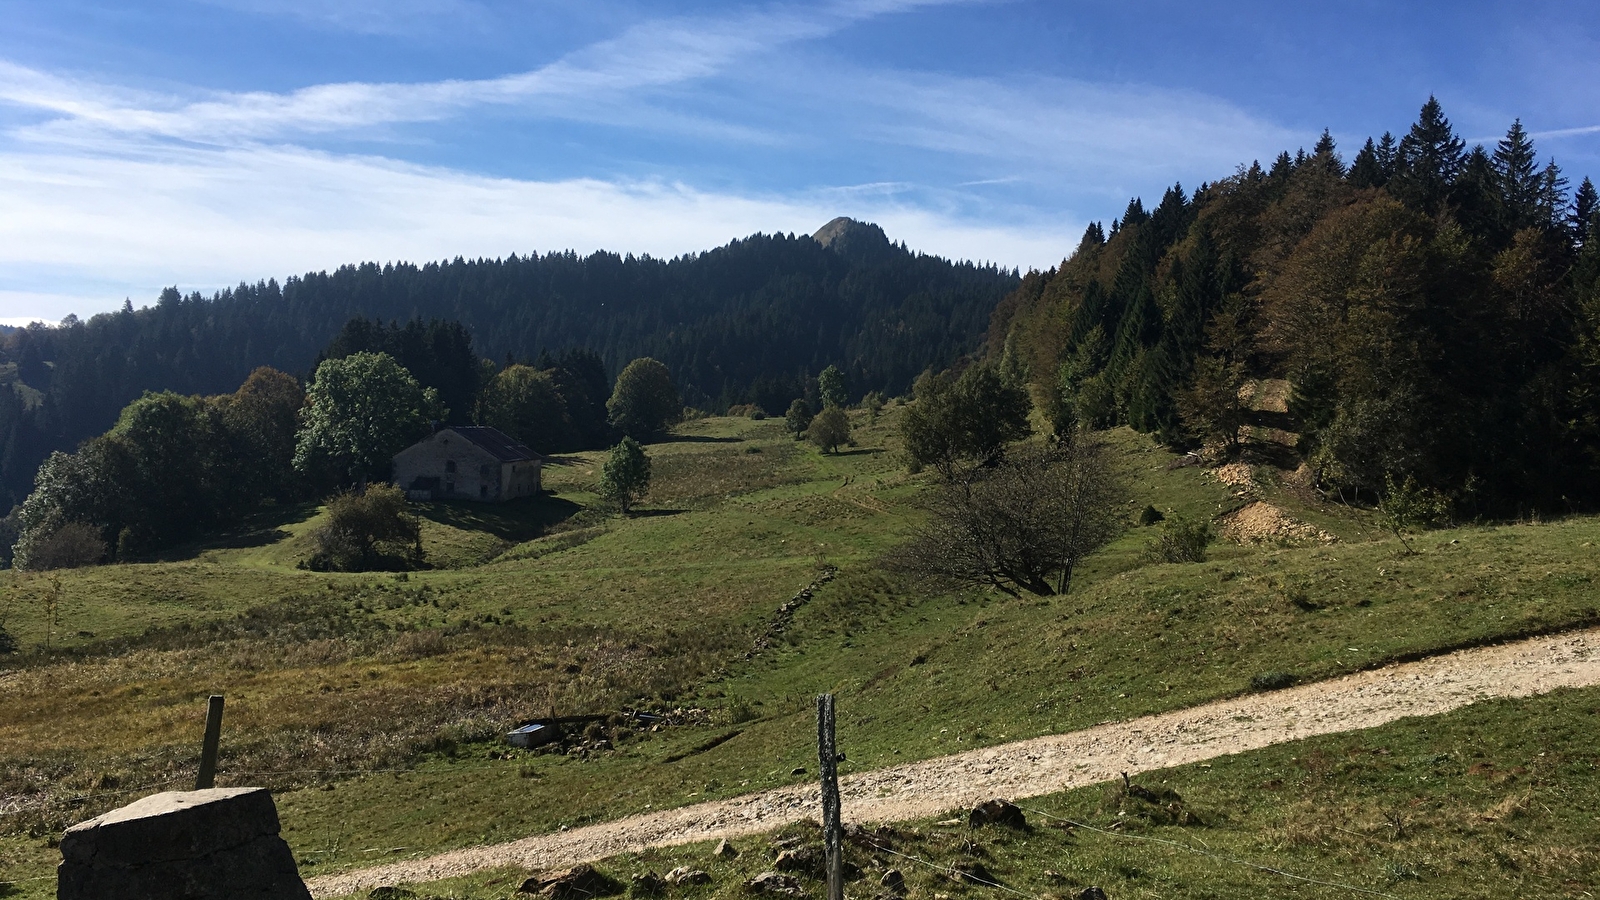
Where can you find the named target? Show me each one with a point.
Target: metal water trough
(531, 735)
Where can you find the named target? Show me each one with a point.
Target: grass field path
(1049, 764)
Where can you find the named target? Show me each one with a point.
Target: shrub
(71, 546)
(1181, 540)
(1273, 681)
(366, 531)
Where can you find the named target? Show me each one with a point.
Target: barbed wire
(949, 871)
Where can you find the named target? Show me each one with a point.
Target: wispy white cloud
(204, 218)
(651, 54)
(1565, 132)
(1116, 136)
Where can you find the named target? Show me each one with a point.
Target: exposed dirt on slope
(1261, 522)
(1049, 764)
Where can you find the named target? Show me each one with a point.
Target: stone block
(182, 845)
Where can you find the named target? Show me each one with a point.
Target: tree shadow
(859, 451)
(515, 520)
(259, 529)
(557, 460)
(695, 439)
(654, 513)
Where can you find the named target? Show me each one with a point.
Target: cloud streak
(112, 228)
(652, 54)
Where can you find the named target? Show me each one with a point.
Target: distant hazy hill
(748, 321)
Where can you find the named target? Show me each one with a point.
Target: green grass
(576, 611)
(1492, 800)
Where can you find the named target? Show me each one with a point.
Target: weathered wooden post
(832, 833)
(208, 750)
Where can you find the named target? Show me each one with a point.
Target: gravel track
(1049, 764)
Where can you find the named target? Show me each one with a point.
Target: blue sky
(205, 142)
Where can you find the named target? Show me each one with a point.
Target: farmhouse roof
(499, 445)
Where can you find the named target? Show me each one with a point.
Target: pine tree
(1517, 178)
(1388, 155)
(1430, 158)
(1365, 170)
(1477, 201)
(1552, 197)
(1585, 212)
(1326, 155)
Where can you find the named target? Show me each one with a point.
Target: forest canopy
(1435, 310)
(753, 321)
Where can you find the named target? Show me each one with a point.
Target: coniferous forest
(1434, 309)
(749, 322)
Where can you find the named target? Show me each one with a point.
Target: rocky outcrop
(219, 843)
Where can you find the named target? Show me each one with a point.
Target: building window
(450, 465)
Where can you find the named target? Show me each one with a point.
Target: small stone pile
(786, 612)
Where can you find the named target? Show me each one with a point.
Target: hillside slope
(708, 608)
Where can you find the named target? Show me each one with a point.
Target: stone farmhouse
(461, 462)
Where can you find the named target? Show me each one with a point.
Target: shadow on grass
(554, 460)
(259, 529)
(696, 439)
(515, 520)
(653, 513)
(859, 451)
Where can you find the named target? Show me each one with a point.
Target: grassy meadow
(1493, 800)
(373, 703)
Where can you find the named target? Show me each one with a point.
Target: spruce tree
(1552, 197)
(1430, 158)
(1517, 178)
(1365, 170)
(1388, 155)
(1585, 207)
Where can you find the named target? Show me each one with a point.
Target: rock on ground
(218, 843)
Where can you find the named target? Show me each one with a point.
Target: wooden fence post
(208, 750)
(832, 834)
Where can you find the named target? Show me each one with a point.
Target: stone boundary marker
(218, 843)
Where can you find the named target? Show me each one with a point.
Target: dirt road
(1048, 764)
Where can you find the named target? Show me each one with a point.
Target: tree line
(179, 467)
(1435, 310)
(751, 322)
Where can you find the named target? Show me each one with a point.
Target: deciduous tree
(645, 402)
(625, 477)
(830, 429)
(360, 411)
(966, 421)
(1025, 524)
(368, 529)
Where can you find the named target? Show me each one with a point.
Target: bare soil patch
(1262, 523)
